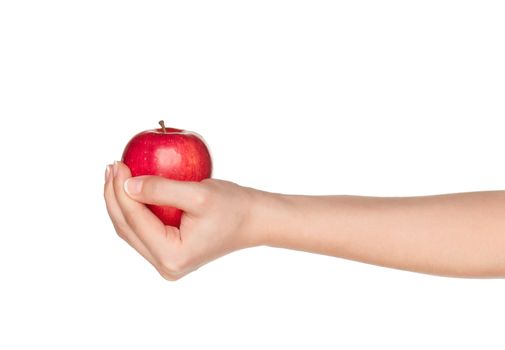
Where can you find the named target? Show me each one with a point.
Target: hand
(217, 219)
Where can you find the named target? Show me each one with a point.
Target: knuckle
(173, 267)
(121, 232)
(129, 216)
(208, 181)
(167, 276)
(203, 197)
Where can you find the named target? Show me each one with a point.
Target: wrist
(270, 216)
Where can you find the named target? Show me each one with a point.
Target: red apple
(172, 153)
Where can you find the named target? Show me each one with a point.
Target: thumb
(158, 190)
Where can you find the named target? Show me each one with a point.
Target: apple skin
(172, 153)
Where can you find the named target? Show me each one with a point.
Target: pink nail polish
(114, 168)
(107, 173)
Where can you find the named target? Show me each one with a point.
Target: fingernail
(114, 168)
(107, 173)
(133, 186)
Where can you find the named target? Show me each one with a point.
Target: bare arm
(459, 234)
(453, 235)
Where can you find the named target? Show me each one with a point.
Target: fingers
(158, 239)
(185, 195)
(119, 222)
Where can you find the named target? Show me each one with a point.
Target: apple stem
(162, 123)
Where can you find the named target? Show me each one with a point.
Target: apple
(172, 153)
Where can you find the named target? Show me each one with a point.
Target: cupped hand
(218, 218)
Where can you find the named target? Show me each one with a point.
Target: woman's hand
(459, 234)
(219, 217)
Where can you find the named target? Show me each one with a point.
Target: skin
(458, 235)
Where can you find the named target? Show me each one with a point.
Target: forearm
(455, 234)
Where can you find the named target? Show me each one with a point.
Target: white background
(385, 98)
